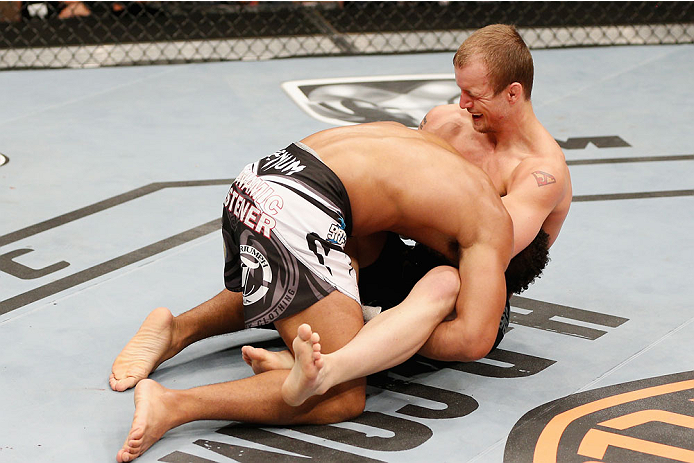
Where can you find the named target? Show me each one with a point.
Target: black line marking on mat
(112, 265)
(107, 267)
(153, 187)
(642, 195)
(579, 143)
(583, 162)
(542, 317)
(103, 205)
(182, 457)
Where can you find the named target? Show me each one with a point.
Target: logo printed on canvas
(645, 420)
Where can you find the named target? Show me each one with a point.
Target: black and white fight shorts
(285, 223)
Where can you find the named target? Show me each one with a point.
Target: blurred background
(91, 34)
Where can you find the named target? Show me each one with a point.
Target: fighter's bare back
(382, 166)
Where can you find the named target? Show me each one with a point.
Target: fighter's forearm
(478, 308)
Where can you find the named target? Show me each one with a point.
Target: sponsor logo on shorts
(262, 194)
(337, 234)
(256, 274)
(646, 420)
(282, 161)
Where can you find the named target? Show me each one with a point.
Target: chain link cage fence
(91, 34)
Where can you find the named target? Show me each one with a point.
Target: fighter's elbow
(479, 351)
(472, 352)
(469, 348)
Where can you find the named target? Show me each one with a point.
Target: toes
(124, 455)
(246, 354)
(121, 385)
(304, 332)
(135, 438)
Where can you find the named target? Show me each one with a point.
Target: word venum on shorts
(257, 192)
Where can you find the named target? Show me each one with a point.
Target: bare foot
(150, 346)
(262, 360)
(149, 422)
(307, 377)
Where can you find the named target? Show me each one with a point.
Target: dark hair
(528, 264)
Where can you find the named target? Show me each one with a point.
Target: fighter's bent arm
(480, 304)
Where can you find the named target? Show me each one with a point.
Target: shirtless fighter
(494, 127)
(285, 225)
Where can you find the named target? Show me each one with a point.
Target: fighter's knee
(352, 403)
(449, 281)
(346, 404)
(355, 405)
(442, 284)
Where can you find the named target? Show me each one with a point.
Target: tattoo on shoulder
(423, 123)
(543, 178)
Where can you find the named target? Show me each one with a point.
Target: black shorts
(388, 281)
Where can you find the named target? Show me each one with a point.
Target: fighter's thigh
(337, 318)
